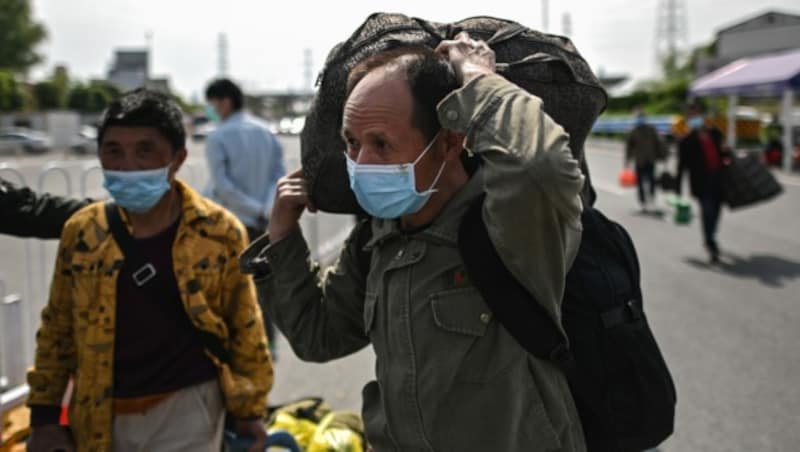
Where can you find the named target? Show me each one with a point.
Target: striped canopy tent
(774, 75)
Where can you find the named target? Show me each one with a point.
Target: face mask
(211, 113)
(137, 191)
(640, 120)
(389, 191)
(696, 122)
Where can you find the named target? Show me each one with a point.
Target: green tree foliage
(109, 88)
(53, 93)
(12, 94)
(46, 96)
(78, 98)
(91, 98)
(667, 95)
(60, 79)
(19, 36)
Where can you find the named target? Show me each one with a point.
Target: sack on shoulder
(547, 66)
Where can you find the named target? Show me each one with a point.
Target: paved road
(729, 332)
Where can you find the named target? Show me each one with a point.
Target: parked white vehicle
(85, 141)
(28, 141)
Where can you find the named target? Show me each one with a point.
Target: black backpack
(622, 388)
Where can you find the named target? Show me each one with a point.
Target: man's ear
(453, 145)
(227, 105)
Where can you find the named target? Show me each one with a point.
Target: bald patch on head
(382, 98)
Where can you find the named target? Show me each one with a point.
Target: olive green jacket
(449, 376)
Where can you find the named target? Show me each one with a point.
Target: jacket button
(452, 115)
(399, 254)
(486, 317)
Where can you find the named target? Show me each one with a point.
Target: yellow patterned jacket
(76, 337)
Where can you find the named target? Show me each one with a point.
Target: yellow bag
(335, 434)
(302, 429)
(316, 428)
(15, 430)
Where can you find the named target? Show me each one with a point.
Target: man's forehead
(379, 93)
(132, 134)
(383, 78)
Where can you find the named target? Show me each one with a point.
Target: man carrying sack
(449, 376)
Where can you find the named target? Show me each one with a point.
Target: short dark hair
(145, 108)
(430, 78)
(224, 88)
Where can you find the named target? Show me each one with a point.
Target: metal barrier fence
(25, 292)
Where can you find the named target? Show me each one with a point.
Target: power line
(222, 55)
(672, 31)
(545, 15)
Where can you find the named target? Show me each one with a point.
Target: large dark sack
(548, 66)
(747, 181)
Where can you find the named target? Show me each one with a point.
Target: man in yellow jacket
(154, 323)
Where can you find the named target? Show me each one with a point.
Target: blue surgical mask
(137, 191)
(390, 191)
(211, 113)
(696, 122)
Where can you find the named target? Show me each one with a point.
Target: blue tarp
(769, 75)
(623, 125)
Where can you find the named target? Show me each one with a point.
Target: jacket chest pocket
(91, 277)
(388, 278)
(467, 337)
(461, 311)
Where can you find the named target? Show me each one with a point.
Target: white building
(768, 32)
(131, 69)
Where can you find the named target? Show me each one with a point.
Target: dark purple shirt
(157, 348)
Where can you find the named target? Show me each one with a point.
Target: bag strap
(144, 271)
(513, 306)
(148, 273)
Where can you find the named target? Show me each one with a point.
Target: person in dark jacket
(26, 213)
(644, 148)
(702, 154)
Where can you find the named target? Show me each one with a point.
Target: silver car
(85, 142)
(27, 141)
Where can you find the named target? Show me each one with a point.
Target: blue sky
(266, 39)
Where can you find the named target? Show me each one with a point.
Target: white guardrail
(23, 297)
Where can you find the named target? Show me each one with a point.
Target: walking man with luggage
(148, 311)
(701, 153)
(449, 376)
(644, 148)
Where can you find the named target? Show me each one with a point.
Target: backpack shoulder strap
(144, 271)
(513, 306)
